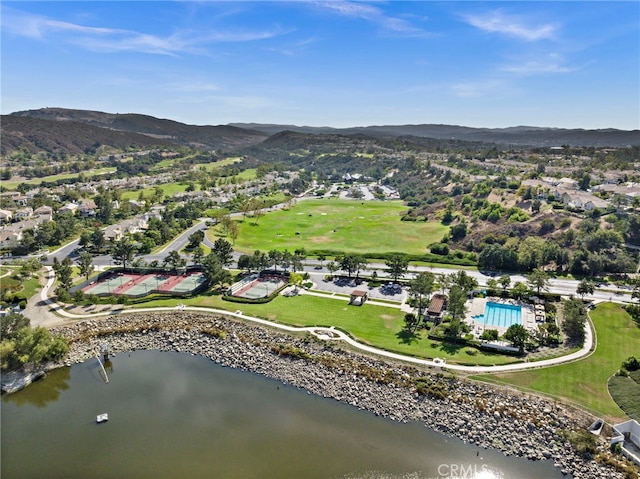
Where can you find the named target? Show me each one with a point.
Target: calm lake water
(176, 415)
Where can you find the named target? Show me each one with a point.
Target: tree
(275, 257)
(575, 319)
(538, 280)
(457, 302)
(361, 264)
(585, 287)
(584, 182)
(223, 250)
(461, 278)
(23, 345)
(85, 263)
(454, 329)
(411, 322)
(348, 263)
(64, 272)
(234, 231)
(296, 280)
(195, 239)
(11, 323)
(197, 255)
(260, 260)
(517, 335)
(97, 239)
(245, 262)
(321, 258)
(505, 281)
(174, 260)
(496, 257)
(492, 285)
(214, 271)
(332, 267)
(520, 290)
(397, 265)
(123, 252)
(299, 256)
(535, 206)
(420, 288)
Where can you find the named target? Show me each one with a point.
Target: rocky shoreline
(476, 413)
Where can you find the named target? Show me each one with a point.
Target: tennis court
(138, 285)
(260, 287)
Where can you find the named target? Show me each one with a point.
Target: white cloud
(552, 63)
(498, 22)
(119, 40)
(372, 14)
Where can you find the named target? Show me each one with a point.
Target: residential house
(10, 239)
(69, 208)
(581, 200)
(625, 192)
(568, 183)
(5, 216)
(43, 214)
(87, 208)
(23, 214)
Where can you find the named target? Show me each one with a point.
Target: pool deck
(476, 307)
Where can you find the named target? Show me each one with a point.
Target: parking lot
(388, 291)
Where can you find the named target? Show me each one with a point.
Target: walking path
(49, 313)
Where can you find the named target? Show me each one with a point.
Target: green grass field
(339, 225)
(584, 382)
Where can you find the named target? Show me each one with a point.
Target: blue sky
(329, 63)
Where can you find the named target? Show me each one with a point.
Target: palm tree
(505, 281)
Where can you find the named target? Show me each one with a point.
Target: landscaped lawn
(378, 326)
(584, 382)
(351, 226)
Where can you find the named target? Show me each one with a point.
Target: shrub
(290, 351)
(490, 335)
(631, 364)
(439, 248)
(428, 387)
(583, 442)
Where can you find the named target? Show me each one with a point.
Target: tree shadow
(407, 336)
(450, 347)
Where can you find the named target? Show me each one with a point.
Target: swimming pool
(499, 314)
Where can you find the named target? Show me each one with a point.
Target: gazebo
(358, 297)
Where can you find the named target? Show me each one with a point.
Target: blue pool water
(498, 314)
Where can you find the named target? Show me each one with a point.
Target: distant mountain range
(76, 131)
(518, 135)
